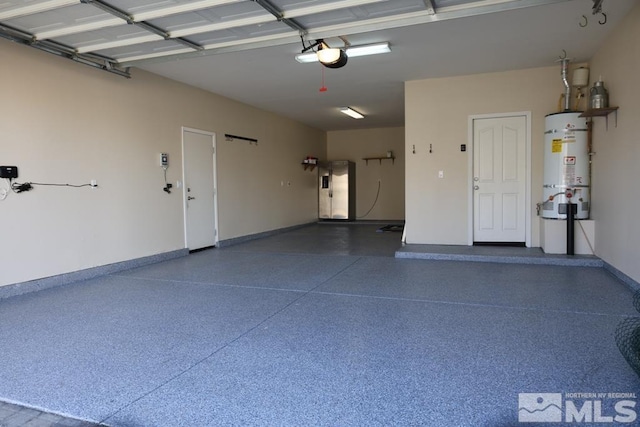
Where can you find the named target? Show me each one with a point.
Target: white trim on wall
(527, 115)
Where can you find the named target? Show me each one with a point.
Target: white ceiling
(248, 55)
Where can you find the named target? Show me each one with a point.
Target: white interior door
(499, 179)
(199, 191)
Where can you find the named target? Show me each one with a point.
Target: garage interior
(123, 301)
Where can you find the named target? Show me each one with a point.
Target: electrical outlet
(440, 174)
(94, 183)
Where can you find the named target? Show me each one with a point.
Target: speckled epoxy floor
(319, 326)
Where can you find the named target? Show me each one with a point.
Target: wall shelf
(379, 159)
(602, 112)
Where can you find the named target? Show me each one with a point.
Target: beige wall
(354, 145)
(437, 114)
(616, 170)
(63, 122)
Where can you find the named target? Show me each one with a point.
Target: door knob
(475, 178)
(190, 198)
(475, 187)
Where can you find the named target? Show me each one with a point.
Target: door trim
(215, 183)
(527, 196)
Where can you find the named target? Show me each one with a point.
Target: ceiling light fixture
(351, 112)
(368, 49)
(351, 52)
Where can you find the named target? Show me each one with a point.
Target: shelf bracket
(600, 112)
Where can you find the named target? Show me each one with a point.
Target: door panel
(485, 212)
(486, 155)
(509, 212)
(510, 166)
(199, 189)
(340, 191)
(499, 166)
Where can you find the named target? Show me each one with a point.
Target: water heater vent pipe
(564, 62)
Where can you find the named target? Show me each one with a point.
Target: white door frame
(527, 197)
(215, 183)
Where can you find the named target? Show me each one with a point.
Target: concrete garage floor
(318, 326)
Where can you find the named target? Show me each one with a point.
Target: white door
(198, 149)
(499, 179)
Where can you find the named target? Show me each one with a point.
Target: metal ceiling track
(85, 53)
(92, 60)
(431, 8)
(279, 15)
(142, 24)
(96, 61)
(287, 18)
(429, 14)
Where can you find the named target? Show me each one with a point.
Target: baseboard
(361, 221)
(249, 237)
(88, 273)
(632, 284)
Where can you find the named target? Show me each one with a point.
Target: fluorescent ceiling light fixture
(351, 112)
(307, 57)
(352, 51)
(368, 49)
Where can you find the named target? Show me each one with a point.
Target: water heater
(566, 165)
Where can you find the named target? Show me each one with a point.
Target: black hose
(374, 203)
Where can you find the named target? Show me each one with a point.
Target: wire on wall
(164, 164)
(62, 185)
(21, 187)
(167, 186)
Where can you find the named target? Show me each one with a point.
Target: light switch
(440, 174)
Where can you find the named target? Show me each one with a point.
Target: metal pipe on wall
(567, 86)
(570, 229)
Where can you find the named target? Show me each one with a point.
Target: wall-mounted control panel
(8, 172)
(164, 160)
